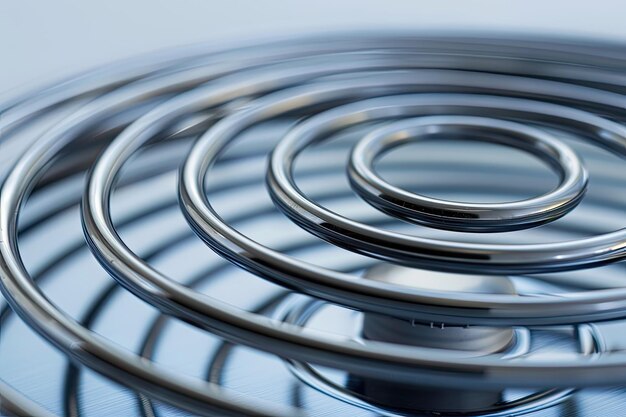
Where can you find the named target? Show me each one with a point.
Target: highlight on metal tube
(391, 224)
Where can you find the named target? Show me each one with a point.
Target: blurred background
(44, 40)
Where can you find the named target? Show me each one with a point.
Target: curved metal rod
(468, 217)
(11, 263)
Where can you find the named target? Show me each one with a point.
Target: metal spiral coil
(294, 162)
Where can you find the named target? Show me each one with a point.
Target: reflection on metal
(221, 190)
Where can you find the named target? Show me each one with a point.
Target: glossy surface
(460, 216)
(107, 122)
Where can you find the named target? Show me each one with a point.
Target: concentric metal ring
(377, 79)
(407, 249)
(467, 217)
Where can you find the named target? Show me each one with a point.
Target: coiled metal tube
(331, 86)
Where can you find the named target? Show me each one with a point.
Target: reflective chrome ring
(123, 92)
(406, 249)
(460, 216)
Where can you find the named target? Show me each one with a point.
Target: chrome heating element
(358, 225)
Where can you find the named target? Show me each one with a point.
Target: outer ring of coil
(467, 217)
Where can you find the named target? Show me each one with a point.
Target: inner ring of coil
(461, 216)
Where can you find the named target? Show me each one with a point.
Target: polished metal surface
(459, 216)
(163, 211)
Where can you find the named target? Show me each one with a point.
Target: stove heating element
(366, 224)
